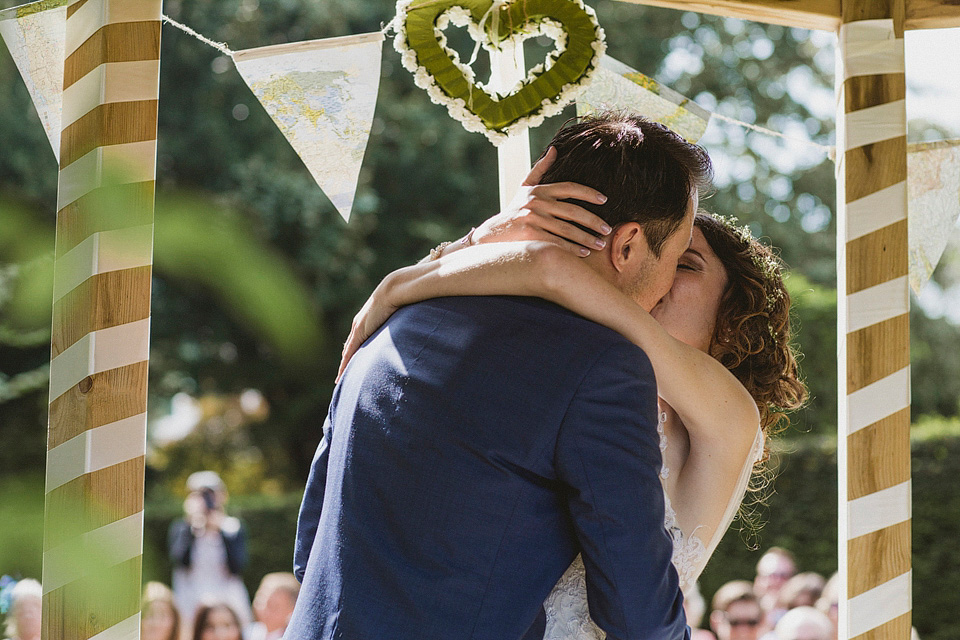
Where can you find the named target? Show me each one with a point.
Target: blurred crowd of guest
(215, 619)
(208, 599)
(779, 603)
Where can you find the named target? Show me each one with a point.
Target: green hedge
(936, 529)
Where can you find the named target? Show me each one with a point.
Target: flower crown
(764, 261)
(768, 265)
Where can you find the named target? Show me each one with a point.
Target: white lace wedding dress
(566, 607)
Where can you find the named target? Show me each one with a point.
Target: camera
(209, 498)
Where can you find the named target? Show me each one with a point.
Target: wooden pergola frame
(93, 533)
(826, 15)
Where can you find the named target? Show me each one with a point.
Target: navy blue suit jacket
(473, 447)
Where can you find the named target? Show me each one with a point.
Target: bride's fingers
(572, 247)
(568, 190)
(571, 213)
(353, 331)
(537, 223)
(539, 169)
(542, 234)
(349, 348)
(573, 234)
(343, 365)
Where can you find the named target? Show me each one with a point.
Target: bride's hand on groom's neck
(537, 212)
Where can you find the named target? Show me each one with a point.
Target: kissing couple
(542, 431)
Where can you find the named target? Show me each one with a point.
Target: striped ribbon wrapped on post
(873, 324)
(93, 540)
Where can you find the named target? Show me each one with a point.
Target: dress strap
(664, 470)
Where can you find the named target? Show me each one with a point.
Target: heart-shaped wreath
(548, 87)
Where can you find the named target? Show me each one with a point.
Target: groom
(476, 445)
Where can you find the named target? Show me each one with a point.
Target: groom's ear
(627, 244)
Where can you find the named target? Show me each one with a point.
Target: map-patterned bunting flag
(322, 95)
(933, 188)
(617, 86)
(35, 34)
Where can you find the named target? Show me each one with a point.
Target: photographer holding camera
(208, 550)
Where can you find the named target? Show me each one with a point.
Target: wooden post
(873, 324)
(513, 156)
(93, 529)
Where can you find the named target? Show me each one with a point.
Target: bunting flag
(322, 95)
(35, 34)
(617, 86)
(933, 187)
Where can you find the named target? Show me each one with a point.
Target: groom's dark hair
(646, 170)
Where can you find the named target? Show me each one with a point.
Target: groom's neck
(601, 262)
(629, 280)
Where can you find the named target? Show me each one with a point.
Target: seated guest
(804, 623)
(23, 617)
(829, 602)
(273, 605)
(774, 568)
(694, 607)
(736, 612)
(802, 590)
(216, 621)
(159, 617)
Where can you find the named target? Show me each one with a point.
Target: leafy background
(257, 278)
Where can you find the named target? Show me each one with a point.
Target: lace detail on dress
(688, 551)
(567, 615)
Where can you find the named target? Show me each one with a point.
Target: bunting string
(219, 46)
(829, 150)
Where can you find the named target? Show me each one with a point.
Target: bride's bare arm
(710, 401)
(501, 268)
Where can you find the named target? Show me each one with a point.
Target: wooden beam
(809, 14)
(932, 14)
(812, 14)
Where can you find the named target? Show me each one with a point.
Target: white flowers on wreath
(457, 107)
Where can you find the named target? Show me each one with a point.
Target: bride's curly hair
(752, 337)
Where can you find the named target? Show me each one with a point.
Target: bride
(719, 342)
